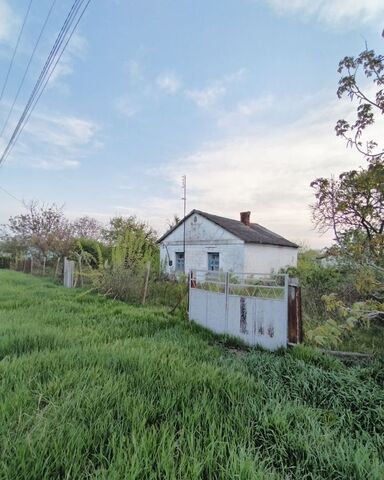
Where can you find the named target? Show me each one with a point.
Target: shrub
(5, 261)
(92, 250)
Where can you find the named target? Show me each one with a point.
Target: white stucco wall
(268, 258)
(203, 236)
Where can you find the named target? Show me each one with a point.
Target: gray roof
(254, 233)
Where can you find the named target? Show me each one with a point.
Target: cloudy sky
(239, 95)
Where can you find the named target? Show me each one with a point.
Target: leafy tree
(42, 229)
(371, 66)
(119, 226)
(133, 250)
(87, 227)
(353, 204)
(353, 207)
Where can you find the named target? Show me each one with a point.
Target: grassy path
(96, 389)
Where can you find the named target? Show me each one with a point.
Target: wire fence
(243, 284)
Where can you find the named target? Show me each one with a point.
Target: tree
(119, 226)
(87, 227)
(174, 221)
(353, 204)
(372, 67)
(42, 229)
(353, 207)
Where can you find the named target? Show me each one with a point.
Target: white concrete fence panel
(253, 308)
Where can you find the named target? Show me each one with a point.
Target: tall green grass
(95, 389)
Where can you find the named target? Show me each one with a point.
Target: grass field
(96, 389)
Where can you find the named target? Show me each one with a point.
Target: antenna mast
(184, 198)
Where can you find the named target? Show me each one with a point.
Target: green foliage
(119, 226)
(94, 388)
(91, 251)
(328, 334)
(169, 292)
(133, 250)
(341, 304)
(316, 281)
(371, 66)
(5, 261)
(352, 207)
(134, 258)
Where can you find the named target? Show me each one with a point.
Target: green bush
(93, 250)
(5, 261)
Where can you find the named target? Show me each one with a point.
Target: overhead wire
(10, 194)
(64, 29)
(47, 71)
(15, 50)
(41, 92)
(27, 67)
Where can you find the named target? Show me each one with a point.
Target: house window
(213, 261)
(179, 264)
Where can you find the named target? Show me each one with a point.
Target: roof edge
(169, 231)
(207, 216)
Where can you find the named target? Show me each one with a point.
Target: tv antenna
(184, 198)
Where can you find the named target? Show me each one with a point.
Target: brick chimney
(245, 217)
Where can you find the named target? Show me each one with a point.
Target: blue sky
(239, 95)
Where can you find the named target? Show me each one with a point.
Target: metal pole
(184, 198)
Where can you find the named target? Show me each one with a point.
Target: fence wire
(257, 285)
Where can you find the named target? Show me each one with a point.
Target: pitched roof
(254, 233)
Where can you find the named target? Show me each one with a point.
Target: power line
(15, 50)
(59, 39)
(10, 194)
(42, 90)
(47, 71)
(27, 67)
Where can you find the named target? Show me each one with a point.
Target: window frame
(215, 260)
(178, 257)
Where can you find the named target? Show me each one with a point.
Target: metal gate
(252, 307)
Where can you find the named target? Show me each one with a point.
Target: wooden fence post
(57, 267)
(295, 323)
(80, 273)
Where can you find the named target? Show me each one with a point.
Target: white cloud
(8, 22)
(127, 106)
(333, 12)
(134, 70)
(208, 96)
(268, 173)
(76, 50)
(242, 117)
(255, 105)
(53, 142)
(169, 82)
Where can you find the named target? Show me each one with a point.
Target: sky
(238, 95)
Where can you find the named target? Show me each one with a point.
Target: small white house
(202, 241)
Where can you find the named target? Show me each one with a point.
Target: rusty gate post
(295, 324)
